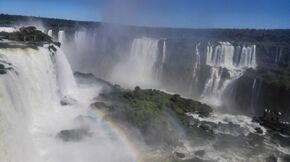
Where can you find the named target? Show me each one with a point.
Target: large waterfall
(33, 83)
(138, 68)
(227, 63)
(143, 63)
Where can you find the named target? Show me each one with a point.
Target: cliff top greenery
(154, 113)
(276, 75)
(26, 34)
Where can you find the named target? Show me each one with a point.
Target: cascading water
(61, 37)
(26, 89)
(32, 116)
(164, 52)
(278, 55)
(138, 68)
(65, 74)
(226, 63)
(197, 62)
(49, 32)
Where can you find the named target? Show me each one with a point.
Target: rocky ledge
(26, 34)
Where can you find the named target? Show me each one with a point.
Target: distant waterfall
(227, 63)
(138, 68)
(61, 37)
(49, 33)
(164, 52)
(197, 62)
(81, 40)
(253, 94)
(226, 55)
(278, 55)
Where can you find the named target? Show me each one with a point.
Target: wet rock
(67, 101)
(58, 44)
(285, 158)
(195, 159)
(3, 69)
(200, 153)
(179, 155)
(73, 135)
(259, 130)
(2, 72)
(271, 158)
(52, 48)
(205, 127)
(100, 105)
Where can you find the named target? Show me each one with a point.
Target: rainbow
(121, 135)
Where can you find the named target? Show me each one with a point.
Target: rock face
(264, 88)
(73, 135)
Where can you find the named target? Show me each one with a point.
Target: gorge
(140, 94)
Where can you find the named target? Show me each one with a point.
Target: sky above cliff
(168, 13)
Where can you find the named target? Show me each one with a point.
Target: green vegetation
(276, 75)
(157, 115)
(27, 34)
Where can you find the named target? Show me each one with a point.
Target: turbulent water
(32, 116)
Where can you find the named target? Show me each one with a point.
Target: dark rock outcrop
(73, 135)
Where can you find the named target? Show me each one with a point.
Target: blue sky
(169, 13)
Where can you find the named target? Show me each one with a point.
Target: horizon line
(144, 26)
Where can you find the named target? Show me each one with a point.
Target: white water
(7, 29)
(31, 114)
(225, 56)
(253, 94)
(138, 68)
(197, 62)
(49, 33)
(61, 37)
(230, 57)
(278, 55)
(164, 52)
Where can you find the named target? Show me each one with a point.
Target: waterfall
(196, 63)
(224, 58)
(31, 115)
(65, 75)
(164, 52)
(61, 37)
(253, 94)
(248, 57)
(80, 39)
(49, 33)
(138, 68)
(278, 55)
(29, 87)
